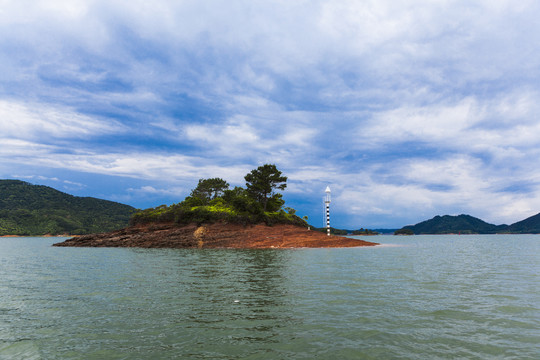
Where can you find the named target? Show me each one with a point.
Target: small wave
(21, 349)
(392, 245)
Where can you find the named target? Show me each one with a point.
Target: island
(216, 235)
(215, 216)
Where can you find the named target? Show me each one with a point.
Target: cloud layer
(407, 110)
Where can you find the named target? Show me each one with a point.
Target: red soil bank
(218, 235)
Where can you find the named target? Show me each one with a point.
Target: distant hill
(461, 224)
(531, 225)
(27, 209)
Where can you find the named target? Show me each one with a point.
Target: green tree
(290, 210)
(262, 182)
(404, 231)
(274, 203)
(240, 200)
(209, 189)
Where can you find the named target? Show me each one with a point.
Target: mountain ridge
(27, 209)
(467, 224)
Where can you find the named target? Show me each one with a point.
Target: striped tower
(327, 205)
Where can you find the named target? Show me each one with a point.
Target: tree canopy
(262, 182)
(212, 201)
(209, 189)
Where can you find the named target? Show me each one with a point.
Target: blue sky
(406, 110)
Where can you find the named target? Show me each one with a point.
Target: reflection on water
(425, 297)
(242, 292)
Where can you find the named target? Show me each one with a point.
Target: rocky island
(217, 235)
(214, 216)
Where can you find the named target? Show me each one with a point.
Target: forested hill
(27, 209)
(531, 225)
(461, 224)
(466, 224)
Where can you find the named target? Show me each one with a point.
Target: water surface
(419, 297)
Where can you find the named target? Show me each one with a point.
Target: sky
(406, 109)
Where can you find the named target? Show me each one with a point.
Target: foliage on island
(212, 200)
(27, 209)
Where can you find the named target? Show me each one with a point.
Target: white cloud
(234, 134)
(45, 178)
(430, 123)
(503, 126)
(260, 133)
(418, 189)
(292, 38)
(38, 177)
(330, 91)
(151, 190)
(68, 182)
(140, 165)
(41, 121)
(14, 149)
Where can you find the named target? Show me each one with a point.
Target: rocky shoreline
(215, 236)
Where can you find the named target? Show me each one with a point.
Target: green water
(421, 297)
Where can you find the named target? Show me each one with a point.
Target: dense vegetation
(27, 209)
(363, 231)
(404, 231)
(531, 225)
(447, 224)
(212, 200)
(335, 231)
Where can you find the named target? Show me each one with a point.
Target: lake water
(418, 297)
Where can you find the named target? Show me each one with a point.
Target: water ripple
(427, 298)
